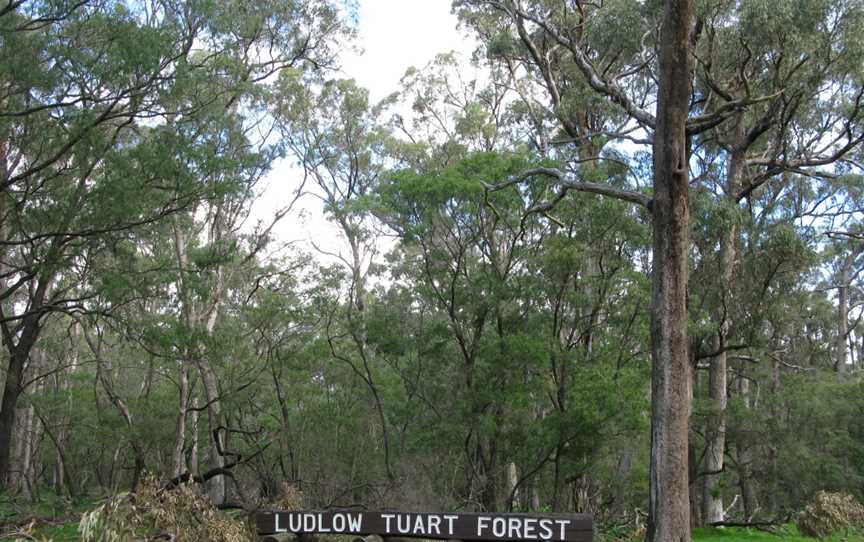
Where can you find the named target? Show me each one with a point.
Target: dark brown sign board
(469, 526)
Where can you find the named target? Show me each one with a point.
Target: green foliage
(489, 340)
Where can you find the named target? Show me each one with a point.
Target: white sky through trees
(393, 35)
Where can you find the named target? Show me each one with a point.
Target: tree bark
(773, 452)
(204, 320)
(511, 487)
(178, 458)
(18, 455)
(216, 486)
(843, 310)
(715, 431)
(193, 449)
(11, 392)
(671, 382)
(715, 437)
(749, 498)
(26, 466)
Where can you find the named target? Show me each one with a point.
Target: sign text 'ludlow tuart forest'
(473, 526)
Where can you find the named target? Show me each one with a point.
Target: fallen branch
(751, 524)
(187, 477)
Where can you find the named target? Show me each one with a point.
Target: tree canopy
(615, 268)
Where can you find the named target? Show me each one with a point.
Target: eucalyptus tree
(86, 84)
(336, 136)
(808, 124)
(621, 74)
(848, 268)
(467, 256)
(208, 252)
(668, 504)
(438, 115)
(508, 329)
(64, 110)
(844, 250)
(448, 108)
(452, 114)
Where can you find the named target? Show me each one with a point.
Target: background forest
(480, 338)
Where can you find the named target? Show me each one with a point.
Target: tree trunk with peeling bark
(671, 382)
(715, 430)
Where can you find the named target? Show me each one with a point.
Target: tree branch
(566, 185)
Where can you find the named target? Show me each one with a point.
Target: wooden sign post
(472, 526)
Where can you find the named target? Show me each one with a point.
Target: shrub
(181, 514)
(290, 498)
(830, 513)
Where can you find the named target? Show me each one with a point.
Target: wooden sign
(473, 526)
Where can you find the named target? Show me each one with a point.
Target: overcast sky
(397, 34)
(393, 36)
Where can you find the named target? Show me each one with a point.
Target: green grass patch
(67, 532)
(786, 533)
(51, 518)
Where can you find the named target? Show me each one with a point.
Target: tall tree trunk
(558, 503)
(487, 461)
(11, 392)
(27, 458)
(15, 478)
(843, 311)
(693, 476)
(204, 320)
(193, 449)
(178, 458)
(715, 440)
(773, 452)
(113, 479)
(20, 339)
(671, 382)
(715, 431)
(63, 483)
(511, 487)
(216, 486)
(749, 499)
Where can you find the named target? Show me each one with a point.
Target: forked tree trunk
(671, 382)
(204, 320)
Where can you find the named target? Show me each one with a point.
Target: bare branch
(569, 184)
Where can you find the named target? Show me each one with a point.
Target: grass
(66, 532)
(52, 518)
(787, 533)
